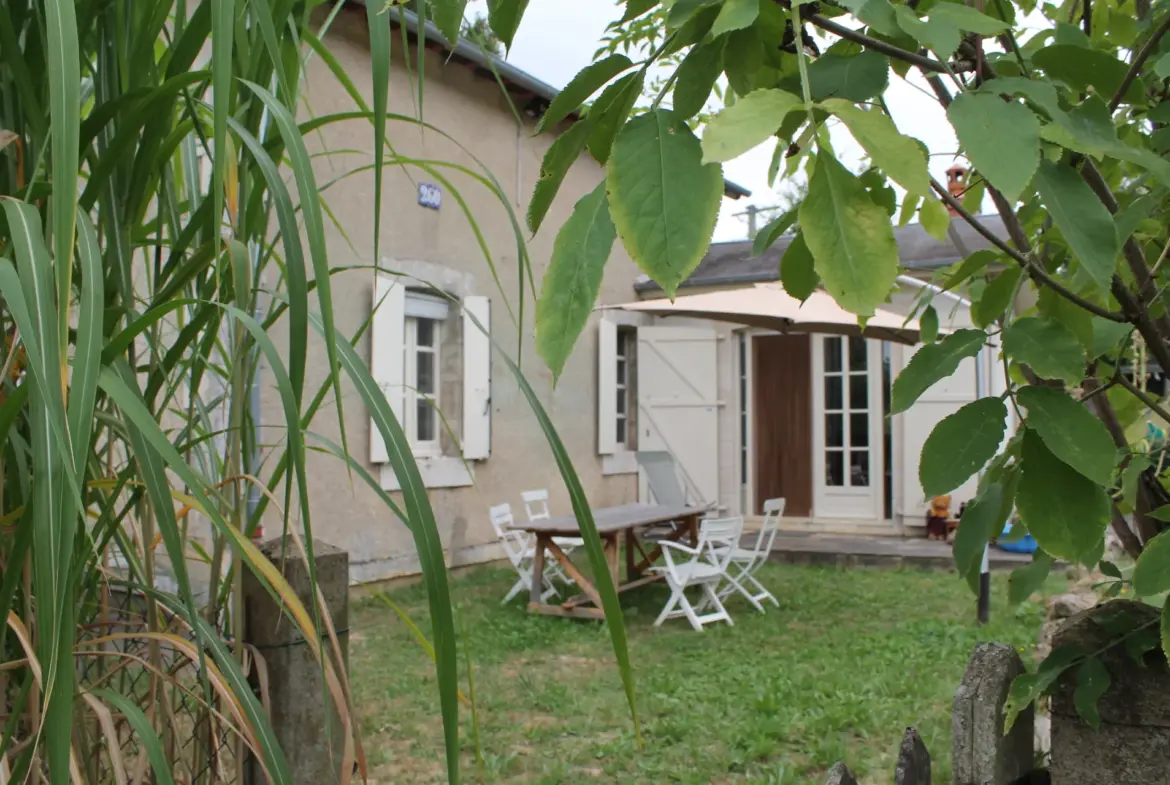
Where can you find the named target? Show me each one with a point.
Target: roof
(488, 65)
(734, 262)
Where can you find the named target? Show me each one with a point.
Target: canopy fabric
(768, 306)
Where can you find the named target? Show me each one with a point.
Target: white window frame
(413, 395)
(622, 389)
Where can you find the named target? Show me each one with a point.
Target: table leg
(632, 571)
(534, 597)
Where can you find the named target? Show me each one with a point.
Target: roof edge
(509, 73)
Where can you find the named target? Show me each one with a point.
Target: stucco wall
(473, 111)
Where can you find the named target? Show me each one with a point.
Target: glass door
(847, 457)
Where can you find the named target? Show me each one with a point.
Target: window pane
(426, 421)
(833, 396)
(425, 372)
(834, 430)
(858, 392)
(859, 430)
(621, 401)
(425, 332)
(621, 430)
(859, 468)
(621, 371)
(857, 353)
(834, 468)
(832, 354)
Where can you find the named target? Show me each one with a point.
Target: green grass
(849, 660)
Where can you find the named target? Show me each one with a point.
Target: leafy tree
(1063, 111)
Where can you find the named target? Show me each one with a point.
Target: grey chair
(663, 478)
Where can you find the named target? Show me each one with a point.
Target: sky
(557, 38)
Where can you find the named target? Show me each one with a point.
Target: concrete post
(303, 716)
(982, 753)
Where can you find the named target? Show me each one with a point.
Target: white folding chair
(536, 507)
(706, 568)
(519, 547)
(744, 562)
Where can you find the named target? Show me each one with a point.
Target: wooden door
(781, 421)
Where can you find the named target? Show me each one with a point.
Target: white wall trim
(620, 462)
(437, 472)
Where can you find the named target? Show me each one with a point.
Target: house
(486, 447)
(751, 414)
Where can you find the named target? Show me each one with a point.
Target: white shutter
(477, 379)
(606, 387)
(387, 338)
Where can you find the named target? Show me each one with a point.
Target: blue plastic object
(1026, 544)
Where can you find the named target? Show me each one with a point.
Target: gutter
(510, 74)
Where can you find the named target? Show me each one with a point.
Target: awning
(768, 306)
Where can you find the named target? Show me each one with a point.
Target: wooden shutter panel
(387, 339)
(606, 387)
(477, 378)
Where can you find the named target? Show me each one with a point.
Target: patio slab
(871, 551)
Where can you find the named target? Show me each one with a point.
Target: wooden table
(613, 524)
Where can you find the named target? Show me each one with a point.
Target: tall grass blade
(379, 26)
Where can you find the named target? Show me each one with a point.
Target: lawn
(850, 659)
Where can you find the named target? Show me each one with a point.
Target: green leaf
(570, 287)
(560, 156)
(975, 263)
(928, 325)
(1160, 514)
(909, 207)
(898, 155)
(144, 734)
(448, 17)
(1083, 220)
(996, 297)
(681, 11)
(1164, 626)
(878, 14)
(1063, 510)
(1026, 581)
(1162, 67)
(697, 75)
(1109, 569)
(855, 78)
(504, 18)
(664, 200)
(609, 112)
(850, 237)
(1054, 307)
(1048, 348)
(743, 57)
(1082, 68)
(1071, 432)
(748, 122)
(1107, 334)
(960, 444)
(935, 218)
(967, 18)
(932, 363)
(587, 81)
(938, 34)
(635, 8)
(978, 524)
(766, 237)
(1092, 682)
(735, 15)
(1151, 575)
(1001, 139)
(1027, 687)
(797, 274)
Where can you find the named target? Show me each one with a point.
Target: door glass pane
(859, 468)
(834, 430)
(834, 468)
(425, 332)
(858, 392)
(621, 430)
(621, 370)
(621, 401)
(425, 371)
(859, 430)
(832, 354)
(857, 354)
(426, 420)
(834, 399)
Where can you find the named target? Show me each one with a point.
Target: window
(421, 365)
(846, 412)
(625, 402)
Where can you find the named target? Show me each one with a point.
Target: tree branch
(1138, 62)
(1144, 397)
(1035, 272)
(925, 63)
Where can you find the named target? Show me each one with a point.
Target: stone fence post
(303, 716)
(982, 754)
